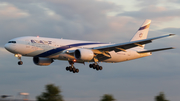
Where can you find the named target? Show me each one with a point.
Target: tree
(5, 96)
(107, 97)
(160, 97)
(52, 94)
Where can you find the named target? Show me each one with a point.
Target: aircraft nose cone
(6, 46)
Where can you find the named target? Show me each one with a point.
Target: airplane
(45, 50)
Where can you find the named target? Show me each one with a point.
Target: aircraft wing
(128, 45)
(155, 50)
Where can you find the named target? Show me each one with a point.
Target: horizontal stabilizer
(154, 50)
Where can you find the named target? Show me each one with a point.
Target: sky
(114, 21)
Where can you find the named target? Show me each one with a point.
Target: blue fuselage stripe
(59, 49)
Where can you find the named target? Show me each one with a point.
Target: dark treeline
(53, 93)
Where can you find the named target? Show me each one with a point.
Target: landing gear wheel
(20, 63)
(67, 68)
(77, 70)
(74, 70)
(70, 69)
(97, 67)
(94, 66)
(90, 65)
(100, 67)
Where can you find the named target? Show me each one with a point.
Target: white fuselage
(59, 48)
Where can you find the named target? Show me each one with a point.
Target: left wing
(123, 46)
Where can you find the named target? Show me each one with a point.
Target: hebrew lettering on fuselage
(41, 41)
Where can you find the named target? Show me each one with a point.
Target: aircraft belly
(65, 57)
(34, 52)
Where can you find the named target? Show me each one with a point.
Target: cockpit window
(12, 42)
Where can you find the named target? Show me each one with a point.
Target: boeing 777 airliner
(45, 50)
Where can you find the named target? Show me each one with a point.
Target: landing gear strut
(19, 57)
(95, 66)
(72, 68)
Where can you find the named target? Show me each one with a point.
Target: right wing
(103, 51)
(123, 46)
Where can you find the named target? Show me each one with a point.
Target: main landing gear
(72, 68)
(95, 66)
(19, 57)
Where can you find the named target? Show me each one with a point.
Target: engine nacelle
(84, 54)
(42, 61)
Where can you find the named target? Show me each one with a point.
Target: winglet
(171, 34)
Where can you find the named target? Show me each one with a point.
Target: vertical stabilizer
(142, 32)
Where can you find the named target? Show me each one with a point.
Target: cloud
(3, 52)
(64, 19)
(9, 11)
(171, 30)
(146, 4)
(165, 3)
(160, 14)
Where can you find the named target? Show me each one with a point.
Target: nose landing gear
(19, 57)
(20, 63)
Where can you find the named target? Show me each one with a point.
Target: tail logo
(144, 27)
(141, 35)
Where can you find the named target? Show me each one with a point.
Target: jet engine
(84, 54)
(42, 61)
